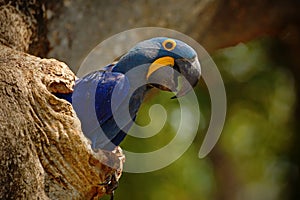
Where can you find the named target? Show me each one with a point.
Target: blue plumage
(92, 96)
(91, 100)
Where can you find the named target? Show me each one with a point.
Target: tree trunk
(44, 154)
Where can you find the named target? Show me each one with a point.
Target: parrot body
(92, 94)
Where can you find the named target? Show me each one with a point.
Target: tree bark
(44, 154)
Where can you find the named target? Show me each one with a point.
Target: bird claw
(112, 196)
(110, 185)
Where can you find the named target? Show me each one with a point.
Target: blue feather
(92, 102)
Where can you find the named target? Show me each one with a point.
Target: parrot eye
(169, 44)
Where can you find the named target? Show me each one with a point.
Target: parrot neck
(135, 67)
(135, 70)
(136, 75)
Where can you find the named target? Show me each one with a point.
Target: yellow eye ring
(169, 44)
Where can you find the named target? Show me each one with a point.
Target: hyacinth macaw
(92, 95)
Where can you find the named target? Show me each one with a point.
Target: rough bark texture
(44, 154)
(15, 32)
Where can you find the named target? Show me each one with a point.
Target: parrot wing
(91, 100)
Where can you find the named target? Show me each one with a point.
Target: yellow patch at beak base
(158, 63)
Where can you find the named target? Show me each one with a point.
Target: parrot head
(166, 59)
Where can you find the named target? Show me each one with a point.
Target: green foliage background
(251, 159)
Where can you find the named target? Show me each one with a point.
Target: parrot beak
(161, 74)
(191, 71)
(164, 76)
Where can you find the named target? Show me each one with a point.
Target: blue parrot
(102, 96)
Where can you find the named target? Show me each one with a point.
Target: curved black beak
(166, 78)
(163, 79)
(191, 71)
